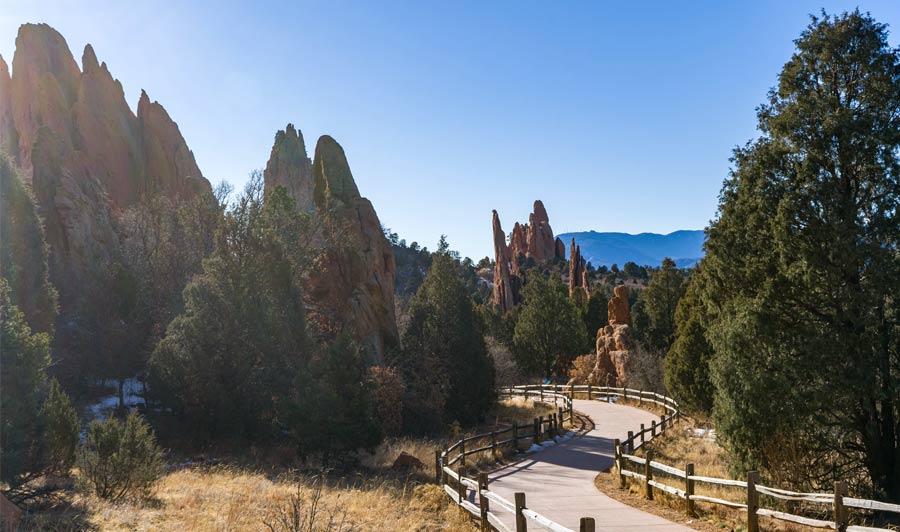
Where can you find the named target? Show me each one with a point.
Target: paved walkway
(558, 482)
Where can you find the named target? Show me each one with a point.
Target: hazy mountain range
(646, 249)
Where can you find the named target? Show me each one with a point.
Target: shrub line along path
(558, 481)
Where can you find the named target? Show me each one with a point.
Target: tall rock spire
(353, 278)
(289, 166)
(503, 289)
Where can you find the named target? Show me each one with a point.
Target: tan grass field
(242, 497)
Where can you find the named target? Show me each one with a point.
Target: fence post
(483, 503)
(462, 487)
(515, 438)
(642, 433)
(462, 451)
(841, 516)
(752, 501)
(494, 445)
(648, 476)
(586, 525)
(620, 463)
(521, 523)
(560, 420)
(629, 443)
(688, 489)
(571, 392)
(624, 393)
(590, 392)
(437, 466)
(653, 429)
(662, 423)
(541, 387)
(535, 432)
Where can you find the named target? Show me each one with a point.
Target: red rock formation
(617, 310)
(534, 241)
(560, 249)
(539, 235)
(577, 271)
(518, 246)
(8, 142)
(290, 167)
(614, 355)
(503, 292)
(355, 277)
(86, 155)
(169, 165)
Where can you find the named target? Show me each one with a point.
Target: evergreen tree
(803, 265)
(549, 332)
(24, 357)
(687, 362)
(60, 426)
(23, 252)
(444, 360)
(654, 312)
(237, 349)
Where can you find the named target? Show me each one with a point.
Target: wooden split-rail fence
(456, 483)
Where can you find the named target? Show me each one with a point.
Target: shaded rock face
(617, 309)
(353, 277)
(85, 154)
(8, 140)
(504, 295)
(290, 167)
(533, 240)
(577, 271)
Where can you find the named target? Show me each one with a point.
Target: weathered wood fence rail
(456, 483)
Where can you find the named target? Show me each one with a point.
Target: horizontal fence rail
(643, 469)
(490, 505)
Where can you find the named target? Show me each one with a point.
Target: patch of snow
(534, 448)
(548, 443)
(703, 433)
(133, 395)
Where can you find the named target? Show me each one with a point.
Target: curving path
(558, 482)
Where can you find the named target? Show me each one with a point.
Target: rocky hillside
(84, 153)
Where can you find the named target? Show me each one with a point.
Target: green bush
(120, 460)
(60, 429)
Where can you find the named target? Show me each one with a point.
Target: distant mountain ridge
(646, 249)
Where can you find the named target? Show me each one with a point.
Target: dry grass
(257, 485)
(228, 499)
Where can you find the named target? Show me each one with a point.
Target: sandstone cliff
(353, 277)
(85, 154)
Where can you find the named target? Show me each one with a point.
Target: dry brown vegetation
(246, 493)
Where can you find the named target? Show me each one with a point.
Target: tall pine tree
(803, 264)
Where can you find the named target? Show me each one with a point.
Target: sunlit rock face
(86, 156)
(533, 241)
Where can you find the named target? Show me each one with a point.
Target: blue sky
(619, 116)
